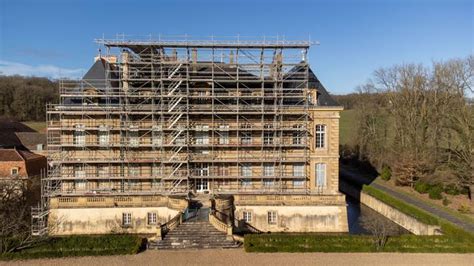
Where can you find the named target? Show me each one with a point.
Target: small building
(25, 166)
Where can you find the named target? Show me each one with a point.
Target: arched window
(320, 136)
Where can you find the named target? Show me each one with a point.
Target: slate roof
(324, 99)
(30, 140)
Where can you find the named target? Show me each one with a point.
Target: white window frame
(134, 138)
(272, 217)
(268, 138)
(14, 171)
(321, 172)
(297, 135)
(268, 170)
(246, 137)
(126, 219)
(247, 216)
(202, 137)
(298, 182)
(103, 136)
(79, 136)
(320, 136)
(298, 170)
(79, 171)
(152, 218)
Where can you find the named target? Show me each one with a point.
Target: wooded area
(416, 122)
(25, 98)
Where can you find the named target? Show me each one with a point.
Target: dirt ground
(240, 257)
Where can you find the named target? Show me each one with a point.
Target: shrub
(446, 202)
(435, 192)
(386, 173)
(451, 189)
(464, 209)
(422, 187)
(81, 246)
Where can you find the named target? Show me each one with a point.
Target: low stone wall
(80, 221)
(409, 223)
(103, 214)
(294, 213)
(297, 218)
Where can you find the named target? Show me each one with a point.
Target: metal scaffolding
(173, 116)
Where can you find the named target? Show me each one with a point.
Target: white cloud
(50, 71)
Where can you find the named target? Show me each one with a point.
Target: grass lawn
(37, 126)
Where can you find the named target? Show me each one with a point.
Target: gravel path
(239, 257)
(353, 177)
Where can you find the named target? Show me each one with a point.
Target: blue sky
(55, 38)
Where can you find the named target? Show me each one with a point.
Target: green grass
(347, 125)
(36, 126)
(400, 205)
(80, 246)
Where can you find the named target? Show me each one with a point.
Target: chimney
(231, 57)
(194, 59)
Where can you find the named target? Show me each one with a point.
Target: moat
(357, 212)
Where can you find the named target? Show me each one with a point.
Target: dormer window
(14, 171)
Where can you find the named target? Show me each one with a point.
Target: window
(272, 217)
(14, 171)
(79, 137)
(297, 134)
(246, 170)
(246, 138)
(79, 171)
(268, 170)
(223, 170)
(202, 138)
(247, 216)
(298, 170)
(320, 136)
(151, 219)
(268, 183)
(102, 171)
(133, 171)
(157, 136)
(298, 182)
(80, 184)
(133, 138)
(268, 138)
(320, 175)
(224, 134)
(103, 137)
(126, 219)
(202, 170)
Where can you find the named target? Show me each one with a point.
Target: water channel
(358, 214)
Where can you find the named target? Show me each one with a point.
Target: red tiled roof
(10, 155)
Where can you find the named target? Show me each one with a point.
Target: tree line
(25, 98)
(417, 122)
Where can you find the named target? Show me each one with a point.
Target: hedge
(453, 240)
(81, 246)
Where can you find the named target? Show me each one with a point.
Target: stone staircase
(195, 233)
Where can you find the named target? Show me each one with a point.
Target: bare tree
(15, 215)
(379, 229)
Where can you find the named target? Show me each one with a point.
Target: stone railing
(118, 201)
(170, 225)
(292, 200)
(219, 225)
